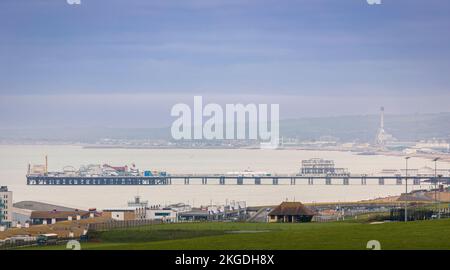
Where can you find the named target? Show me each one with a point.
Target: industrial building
(40, 206)
(22, 210)
(195, 215)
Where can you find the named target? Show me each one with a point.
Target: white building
(125, 213)
(168, 213)
(165, 214)
(6, 204)
(433, 146)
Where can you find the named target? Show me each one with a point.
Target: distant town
(420, 134)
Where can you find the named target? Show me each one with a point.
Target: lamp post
(435, 182)
(406, 189)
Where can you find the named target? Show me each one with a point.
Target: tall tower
(46, 165)
(382, 135)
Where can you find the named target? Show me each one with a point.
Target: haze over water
(14, 160)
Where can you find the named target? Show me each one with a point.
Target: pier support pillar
(363, 181)
(346, 181)
(186, 180)
(292, 180)
(381, 181)
(416, 181)
(222, 180)
(240, 180)
(257, 180)
(204, 180)
(275, 181)
(310, 181)
(399, 181)
(328, 181)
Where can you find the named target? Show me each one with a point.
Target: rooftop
(291, 209)
(39, 206)
(121, 209)
(57, 214)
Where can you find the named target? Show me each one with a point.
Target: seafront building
(5, 207)
(318, 166)
(51, 217)
(291, 212)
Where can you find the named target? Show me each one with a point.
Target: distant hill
(345, 128)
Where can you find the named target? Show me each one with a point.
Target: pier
(220, 179)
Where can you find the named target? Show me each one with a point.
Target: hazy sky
(126, 62)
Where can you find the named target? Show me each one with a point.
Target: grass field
(433, 234)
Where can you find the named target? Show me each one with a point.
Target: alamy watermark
(73, 2)
(73, 245)
(230, 125)
(78, 2)
(373, 245)
(374, 2)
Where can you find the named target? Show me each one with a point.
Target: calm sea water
(14, 160)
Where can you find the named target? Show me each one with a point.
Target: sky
(125, 63)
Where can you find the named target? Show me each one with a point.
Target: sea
(14, 160)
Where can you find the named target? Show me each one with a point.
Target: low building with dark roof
(291, 212)
(195, 215)
(51, 217)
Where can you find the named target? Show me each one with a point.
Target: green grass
(433, 234)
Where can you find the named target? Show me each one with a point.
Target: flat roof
(120, 209)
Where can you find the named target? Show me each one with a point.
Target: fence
(398, 214)
(24, 243)
(324, 218)
(443, 213)
(119, 224)
(14, 243)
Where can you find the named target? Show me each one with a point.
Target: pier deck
(215, 179)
